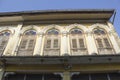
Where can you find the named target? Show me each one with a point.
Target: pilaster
(13, 41)
(17, 39)
(114, 41)
(90, 42)
(38, 46)
(64, 43)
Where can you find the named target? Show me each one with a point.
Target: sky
(28, 5)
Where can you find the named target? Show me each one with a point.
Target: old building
(59, 45)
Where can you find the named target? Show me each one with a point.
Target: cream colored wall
(18, 30)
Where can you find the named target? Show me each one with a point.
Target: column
(64, 43)
(66, 75)
(38, 46)
(1, 73)
(90, 43)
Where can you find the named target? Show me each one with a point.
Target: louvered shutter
(55, 43)
(106, 42)
(3, 44)
(81, 43)
(23, 44)
(74, 43)
(99, 43)
(48, 43)
(30, 44)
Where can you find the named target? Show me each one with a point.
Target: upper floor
(59, 39)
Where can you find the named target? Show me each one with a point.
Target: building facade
(59, 45)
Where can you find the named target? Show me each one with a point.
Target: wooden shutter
(106, 42)
(81, 43)
(31, 44)
(74, 43)
(3, 44)
(48, 43)
(55, 43)
(23, 44)
(99, 42)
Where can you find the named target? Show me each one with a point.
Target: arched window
(4, 37)
(102, 41)
(52, 43)
(77, 42)
(27, 43)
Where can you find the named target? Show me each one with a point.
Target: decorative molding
(88, 33)
(12, 30)
(40, 34)
(98, 25)
(110, 32)
(46, 28)
(80, 26)
(30, 27)
(64, 33)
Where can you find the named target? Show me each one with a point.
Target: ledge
(85, 59)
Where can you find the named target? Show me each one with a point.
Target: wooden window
(78, 46)
(78, 43)
(28, 40)
(48, 45)
(55, 43)
(23, 44)
(27, 43)
(4, 37)
(52, 43)
(99, 42)
(77, 40)
(106, 42)
(81, 43)
(74, 43)
(3, 44)
(102, 40)
(31, 44)
(52, 39)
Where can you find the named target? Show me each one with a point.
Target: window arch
(52, 43)
(102, 41)
(4, 37)
(27, 43)
(77, 42)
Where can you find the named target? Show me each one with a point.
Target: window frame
(4, 38)
(27, 43)
(52, 42)
(26, 46)
(77, 37)
(102, 37)
(52, 37)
